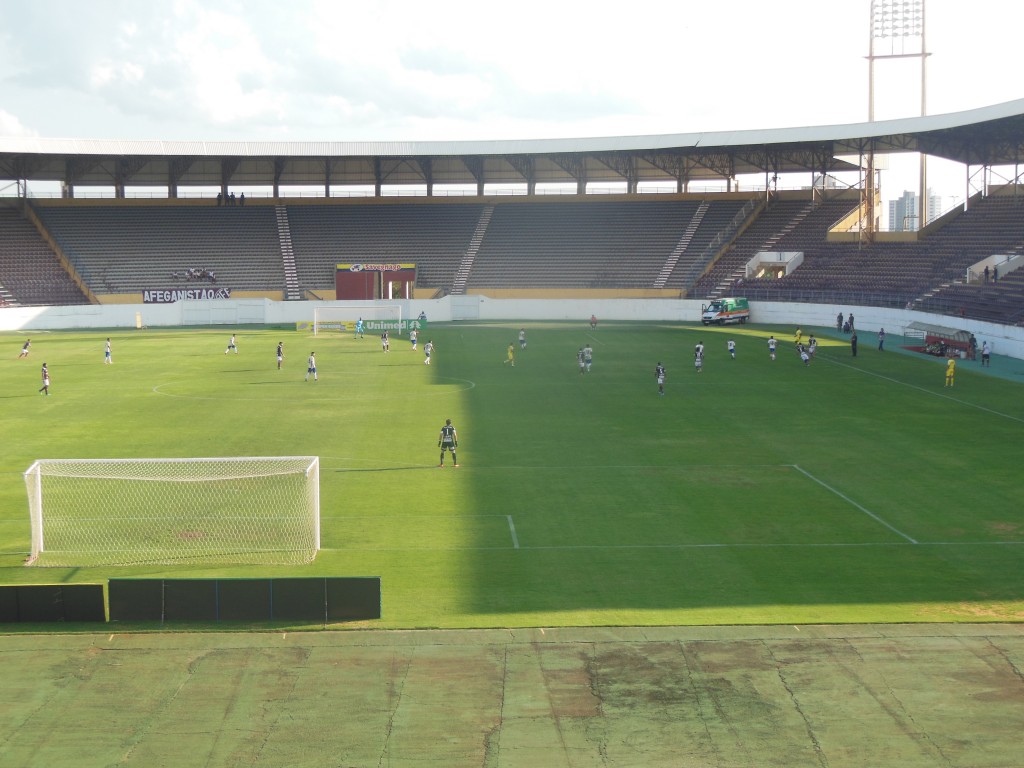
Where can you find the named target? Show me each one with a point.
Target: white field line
(848, 500)
(570, 547)
(925, 390)
(512, 530)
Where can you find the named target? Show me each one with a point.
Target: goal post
(341, 317)
(261, 510)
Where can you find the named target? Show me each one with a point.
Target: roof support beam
(527, 168)
(228, 166)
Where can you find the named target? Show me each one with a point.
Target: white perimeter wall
(1005, 340)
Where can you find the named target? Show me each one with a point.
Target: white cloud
(11, 126)
(454, 70)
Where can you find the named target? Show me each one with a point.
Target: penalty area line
(848, 500)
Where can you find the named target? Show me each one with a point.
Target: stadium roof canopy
(989, 136)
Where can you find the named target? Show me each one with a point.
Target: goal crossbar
(258, 510)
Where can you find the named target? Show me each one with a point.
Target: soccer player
(698, 358)
(804, 355)
(107, 360)
(280, 354)
(448, 440)
(24, 348)
(385, 342)
(359, 328)
(311, 366)
(772, 343)
(428, 349)
(579, 360)
(511, 355)
(986, 355)
(593, 322)
(881, 340)
(659, 374)
(231, 345)
(588, 356)
(731, 346)
(950, 371)
(812, 345)
(45, 389)
(799, 336)
(522, 338)
(413, 337)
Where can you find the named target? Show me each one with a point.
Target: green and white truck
(722, 311)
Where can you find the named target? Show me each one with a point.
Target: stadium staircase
(291, 273)
(466, 265)
(31, 271)
(681, 246)
(6, 299)
(725, 286)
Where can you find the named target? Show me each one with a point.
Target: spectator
(241, 199)
(220, 198)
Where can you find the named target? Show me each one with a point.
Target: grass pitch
(756, 492)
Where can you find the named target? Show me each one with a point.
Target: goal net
(376, 319)
(256, 510)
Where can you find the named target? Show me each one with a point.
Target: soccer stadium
(747, 495)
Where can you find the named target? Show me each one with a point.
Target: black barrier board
(136, 599)
(190, 600)
(83, 602)
(353, 598)
(244, 599)
(300, 600)
(8, 604)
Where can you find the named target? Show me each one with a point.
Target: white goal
(255, 510)
(376, 318)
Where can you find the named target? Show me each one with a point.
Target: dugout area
(321, 600)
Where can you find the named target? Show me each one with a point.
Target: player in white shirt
(428, 350)
(522, 338)
(107, 359)
(311, 366)
(772, 343)
(231, 345)
(659, 374)
(731, 346)
(413, 337)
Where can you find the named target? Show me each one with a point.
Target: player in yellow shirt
(950, 371)
(511, 355)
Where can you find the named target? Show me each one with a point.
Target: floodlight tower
(897, 32)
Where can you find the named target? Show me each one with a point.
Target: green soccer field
(758, 491)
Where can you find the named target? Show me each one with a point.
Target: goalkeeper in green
(448, 440)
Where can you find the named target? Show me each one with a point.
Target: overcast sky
(417, 71)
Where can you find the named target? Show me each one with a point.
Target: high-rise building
(904, 211)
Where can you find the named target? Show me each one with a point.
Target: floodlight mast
(899, 23)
